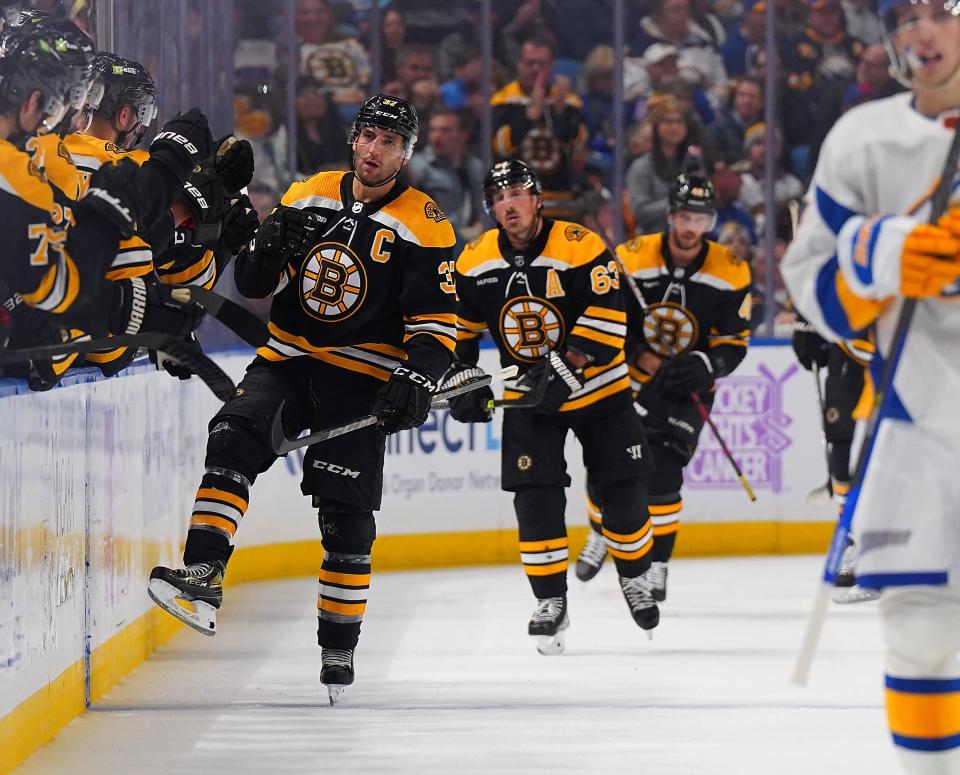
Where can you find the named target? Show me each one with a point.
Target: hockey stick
(234, 316)
(193, 358)
(282, 445)
(881, 407)
(638, 295)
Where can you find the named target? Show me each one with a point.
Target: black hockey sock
(593, 508)
(626, 526)
(665, 514)
(342, 599)
(219, 506)
(544, 550)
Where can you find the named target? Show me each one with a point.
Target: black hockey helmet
(10, 13)
(33, 59)
(392, 114)
(125, 82)
(507, 174)
(693, 193)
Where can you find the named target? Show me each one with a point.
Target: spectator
(321, 133)
(745, 41)
(643, 75)
(596, 92)
(393, 34)
(649, 177)
(449, 173)
(464, 88)
(862, 21)
(416, 80)
(254, 117)
(785, 185)
(339, 64)
(536, 118)
(820, 65)
(639, 141)
(735, 236)
(873, 78)
(745, 109)
(517, 21)
(263, 198)
(726, 186)
(670, 21)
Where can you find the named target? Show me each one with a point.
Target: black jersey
(377, 288)
(563, 291)
(704, 306)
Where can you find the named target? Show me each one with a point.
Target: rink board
(98, 478)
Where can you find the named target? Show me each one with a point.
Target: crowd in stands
(693, 89)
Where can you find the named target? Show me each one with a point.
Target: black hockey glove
(183, 143)
(234, 166)
(682, 375)
(32, 327)
(284, 238)
(809, 346)
(562, 379)
(205, 199)
(404, 402)
(473, 406)
(116, 195)
(240, 225)
(148, 306)
(169, 364)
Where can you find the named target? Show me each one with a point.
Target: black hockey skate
(337, 672)
(548, 623)
(591, 557)
(638, 593)
(845, 587)
(658, 580)
(192, 594)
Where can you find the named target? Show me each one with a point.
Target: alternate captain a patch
(530, 327)
(333, 282)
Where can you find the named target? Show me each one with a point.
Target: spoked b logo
(333, 282)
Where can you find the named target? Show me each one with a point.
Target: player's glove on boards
(473, 406)
(183, 143)
(148, 306)
(685, 374)
(285, 237)
(240, 224)
(809, 347)
(404, 402)
(562, 380)
(235, 165)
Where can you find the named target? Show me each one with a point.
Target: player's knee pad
(348, 532)
(921, 628)
(624, 504)
(233, 446)
(539, 509)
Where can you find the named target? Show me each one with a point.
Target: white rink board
(444, 476)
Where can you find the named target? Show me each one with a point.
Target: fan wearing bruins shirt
(695, 329)
(363, 320)
(53, 272)
(548, 292)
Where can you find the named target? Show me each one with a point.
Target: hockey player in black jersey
(363, 320)
(692, 329)
(57, 249)
(548, 293)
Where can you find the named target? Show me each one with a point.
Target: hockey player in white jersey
(862, 247)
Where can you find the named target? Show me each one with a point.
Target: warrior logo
(530, 327)
(669, 329)
(333, 282)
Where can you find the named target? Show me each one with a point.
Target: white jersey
(875, 177)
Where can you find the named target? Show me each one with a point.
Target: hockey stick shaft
(704, 412)
(281, 444)
(234, 316)
(881, 408)
(821, 402)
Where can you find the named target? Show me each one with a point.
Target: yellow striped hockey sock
(219, 507)
(342, 598)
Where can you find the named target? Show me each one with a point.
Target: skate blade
(201, 616)
(850, 595)
(551, 645)
(335, 691)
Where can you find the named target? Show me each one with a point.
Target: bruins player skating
(695, 328)
(363, 319)
(548, 291)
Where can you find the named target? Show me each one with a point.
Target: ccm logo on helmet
(333, 468)
(173, 136)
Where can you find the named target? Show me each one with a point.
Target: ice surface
(449, 682)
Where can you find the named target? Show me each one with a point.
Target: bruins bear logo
(574, 233)
(669, 329)
(530, 327)
(333, 282)
(432, 210)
